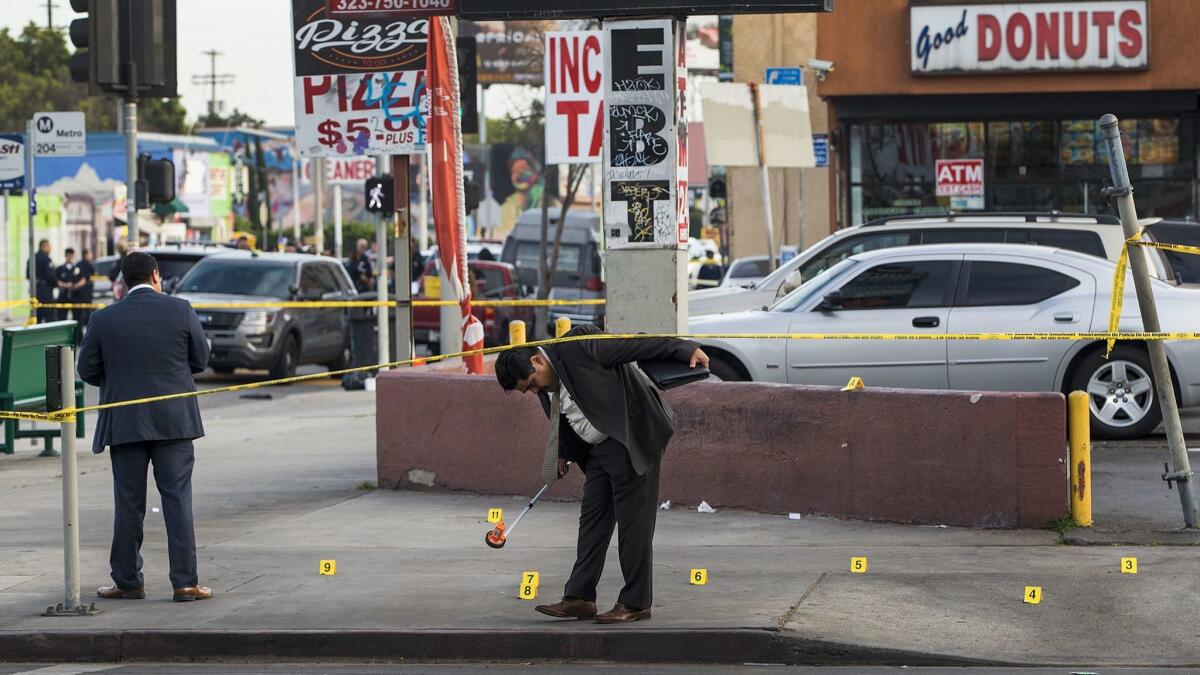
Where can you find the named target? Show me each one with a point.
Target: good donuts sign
(1029, 36)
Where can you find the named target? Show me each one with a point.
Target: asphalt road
(561, 667)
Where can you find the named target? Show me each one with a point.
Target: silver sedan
(967, 288)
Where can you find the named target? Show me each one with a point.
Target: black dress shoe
(623, 614)
(569, 608)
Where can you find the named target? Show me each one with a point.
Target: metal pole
(296, 233)
(1164, 388)
(318, 181)
(485, 212)
(401, 168)
(31, 193)
(381, 273)
(131, 219)
(70, 478)
(337, 220)
(423, 201)
(765, 178)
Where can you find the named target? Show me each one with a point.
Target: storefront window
(1030, 165)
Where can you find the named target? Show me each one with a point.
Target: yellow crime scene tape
(325, 304)
(1118, 289)
(66, 413)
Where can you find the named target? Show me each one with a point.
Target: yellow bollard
(516, 332)
(1080, 433)
(561, 325)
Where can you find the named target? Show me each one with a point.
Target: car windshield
(240, 277)
(743, 269)
(806, 290)
(173, 266)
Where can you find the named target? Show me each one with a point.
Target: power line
(212, 79)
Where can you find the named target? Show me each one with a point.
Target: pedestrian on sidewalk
(607, 417)
(68, 276)
(44, 282)
(149, 344)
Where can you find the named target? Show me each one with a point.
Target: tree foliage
(35, 78)
(237, 118)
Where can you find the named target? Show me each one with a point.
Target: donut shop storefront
(1016, 87)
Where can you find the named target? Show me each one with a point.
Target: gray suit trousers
(172, 462)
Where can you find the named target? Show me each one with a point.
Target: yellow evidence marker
(495, 515)
(1128, 565)
(328, 568)
(529, 586)
(698, 577)
(1033, 595)
(858, 565)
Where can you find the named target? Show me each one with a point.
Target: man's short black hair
(512, 366)
(138, 268)
(69, 251)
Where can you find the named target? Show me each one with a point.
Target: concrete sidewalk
(278, 490)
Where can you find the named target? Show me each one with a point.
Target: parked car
(578, 272)
(967, 288)
(174, 261)
(1095, 235)
(275, 339)
(102, 285)
(492, 281)
(746, 271)
(1182, 268)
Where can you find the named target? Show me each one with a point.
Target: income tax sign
(1029, 36)
(574, 68)
(360, 82)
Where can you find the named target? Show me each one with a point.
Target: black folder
(668, 374)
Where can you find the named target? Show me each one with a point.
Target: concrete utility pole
(381, 271)
(765, 178)
(402, 251)
(645, 216)
(1165, 390)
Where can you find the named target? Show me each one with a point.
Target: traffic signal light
(155, 181)
(467, 79)
(96, 61)
(472, 195)
(716, 187)
(379, 194)
(125, 47)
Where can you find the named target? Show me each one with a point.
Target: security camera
(821, 67)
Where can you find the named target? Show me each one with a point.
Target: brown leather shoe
(623, 614)
(118, 593)
(192, 593)
(569, 608)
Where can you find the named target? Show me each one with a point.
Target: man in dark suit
(148, 344)
(613, 423)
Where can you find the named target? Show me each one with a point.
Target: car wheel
(342, 361)
(289, 357)
(1121, 394)
(723, 370)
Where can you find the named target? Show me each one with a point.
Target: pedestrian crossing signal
(379, 195)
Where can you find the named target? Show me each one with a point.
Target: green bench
(23, 378)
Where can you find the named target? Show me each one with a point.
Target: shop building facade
(938, 106)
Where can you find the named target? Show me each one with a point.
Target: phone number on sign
(412, 7)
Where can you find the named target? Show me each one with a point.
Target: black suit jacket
(614, 394)
(148, 344)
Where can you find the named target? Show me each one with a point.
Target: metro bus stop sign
(557, 9)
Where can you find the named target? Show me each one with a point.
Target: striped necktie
(550, 461)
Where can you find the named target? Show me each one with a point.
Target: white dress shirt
(575, 417)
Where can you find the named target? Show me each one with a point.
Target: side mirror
(831, 302)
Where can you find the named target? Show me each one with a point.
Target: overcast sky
(253, 36)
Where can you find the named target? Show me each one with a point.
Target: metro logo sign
(1029, 36)
(574, 68)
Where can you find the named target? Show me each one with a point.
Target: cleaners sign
(1029, 36)
(574, 97)
(962, 181)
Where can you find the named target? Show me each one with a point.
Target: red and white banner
(449, 207)
(574, 68)
(1029, 36)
